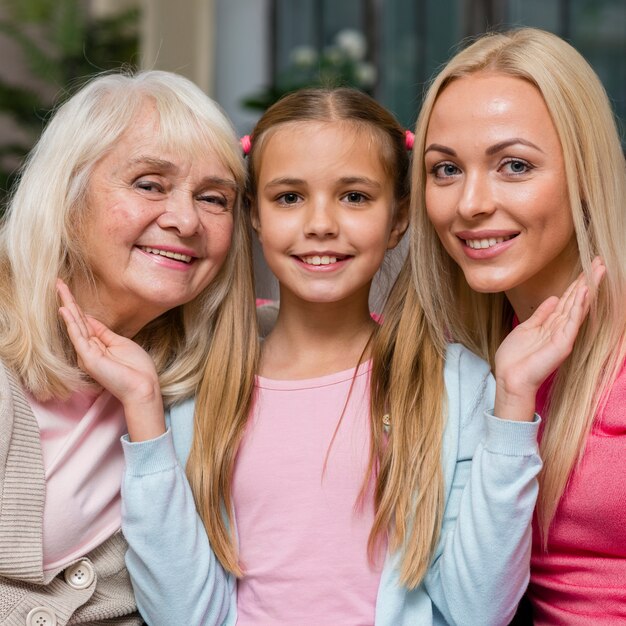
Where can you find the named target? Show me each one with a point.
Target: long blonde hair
(596, 181)
(40, 238)
(227, 419)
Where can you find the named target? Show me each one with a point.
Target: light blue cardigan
(481, 566)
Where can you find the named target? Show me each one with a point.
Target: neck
(315, 339)
(122, 321)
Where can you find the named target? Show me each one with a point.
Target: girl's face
(325, 210)
(496, 190)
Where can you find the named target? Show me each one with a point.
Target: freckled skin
(140, 195)
(520, 188)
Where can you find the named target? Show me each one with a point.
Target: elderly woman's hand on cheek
(119, 365)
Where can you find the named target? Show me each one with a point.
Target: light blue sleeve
(481, 567)
(175, 575)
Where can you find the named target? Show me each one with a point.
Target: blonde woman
(519, 183)
(132, 197)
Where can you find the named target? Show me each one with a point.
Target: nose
(180, 214)
(321, 220)
(477, 197)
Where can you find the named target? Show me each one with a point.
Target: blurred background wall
(246, 53)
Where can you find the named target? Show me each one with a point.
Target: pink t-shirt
(581, 579)
(83, 464)
(302, 535)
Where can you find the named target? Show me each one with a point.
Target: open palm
(535, 348)
(117, 363)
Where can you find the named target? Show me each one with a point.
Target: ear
(254, 218)
(400, 224)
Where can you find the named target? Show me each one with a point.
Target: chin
(489, 284)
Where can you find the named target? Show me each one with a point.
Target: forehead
(315, 146)
(489, 104)
(147, 139)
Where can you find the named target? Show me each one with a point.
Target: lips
(177, 256)
(321, 259)
(486, 242)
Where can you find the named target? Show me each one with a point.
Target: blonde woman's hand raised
(119, 365)
(535, 348)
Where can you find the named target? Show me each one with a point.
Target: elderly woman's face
(158, 227)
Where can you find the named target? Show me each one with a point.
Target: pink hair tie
(409, 139)
(246, 144)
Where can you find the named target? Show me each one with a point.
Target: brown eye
(288, 198)
(355, 197)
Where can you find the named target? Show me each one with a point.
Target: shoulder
(180, 419)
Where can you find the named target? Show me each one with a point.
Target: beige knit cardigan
(23, 583)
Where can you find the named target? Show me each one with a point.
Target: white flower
(303, 56)
(366, 74)
(352, 42)
(333, 54)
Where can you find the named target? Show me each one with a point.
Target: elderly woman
(131, 197)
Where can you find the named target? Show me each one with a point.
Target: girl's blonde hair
(40, 238)
(596, 182)
(387, 138)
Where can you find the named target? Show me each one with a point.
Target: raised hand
(118, 364)
(535, 348)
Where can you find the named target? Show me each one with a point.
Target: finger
(77, 336)
(569, 294)
(70, 303)
(598, 272)
(101, 331)
(570, 322)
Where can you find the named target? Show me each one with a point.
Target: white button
(79, 575)
(41, 616)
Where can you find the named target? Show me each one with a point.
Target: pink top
(83, 463)
(302, 535)
(581, 580)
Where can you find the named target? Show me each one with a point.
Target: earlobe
(401, 223)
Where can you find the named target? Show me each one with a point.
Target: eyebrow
(168, 166)
(491, 150)
(278, 182)
(216, 181)
(510, 142)
(161, 164)
(346, 180)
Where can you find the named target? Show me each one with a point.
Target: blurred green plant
(61, 44)
(341, 64)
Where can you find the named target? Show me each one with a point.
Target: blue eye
(445, 170)
(517, 166)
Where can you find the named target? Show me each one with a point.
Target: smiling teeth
(319, 260)
(170, 255)
(479, 244)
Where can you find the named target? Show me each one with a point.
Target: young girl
(319, 510)
(519, 183)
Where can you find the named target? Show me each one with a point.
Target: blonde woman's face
(496, 188)
(158, 228)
